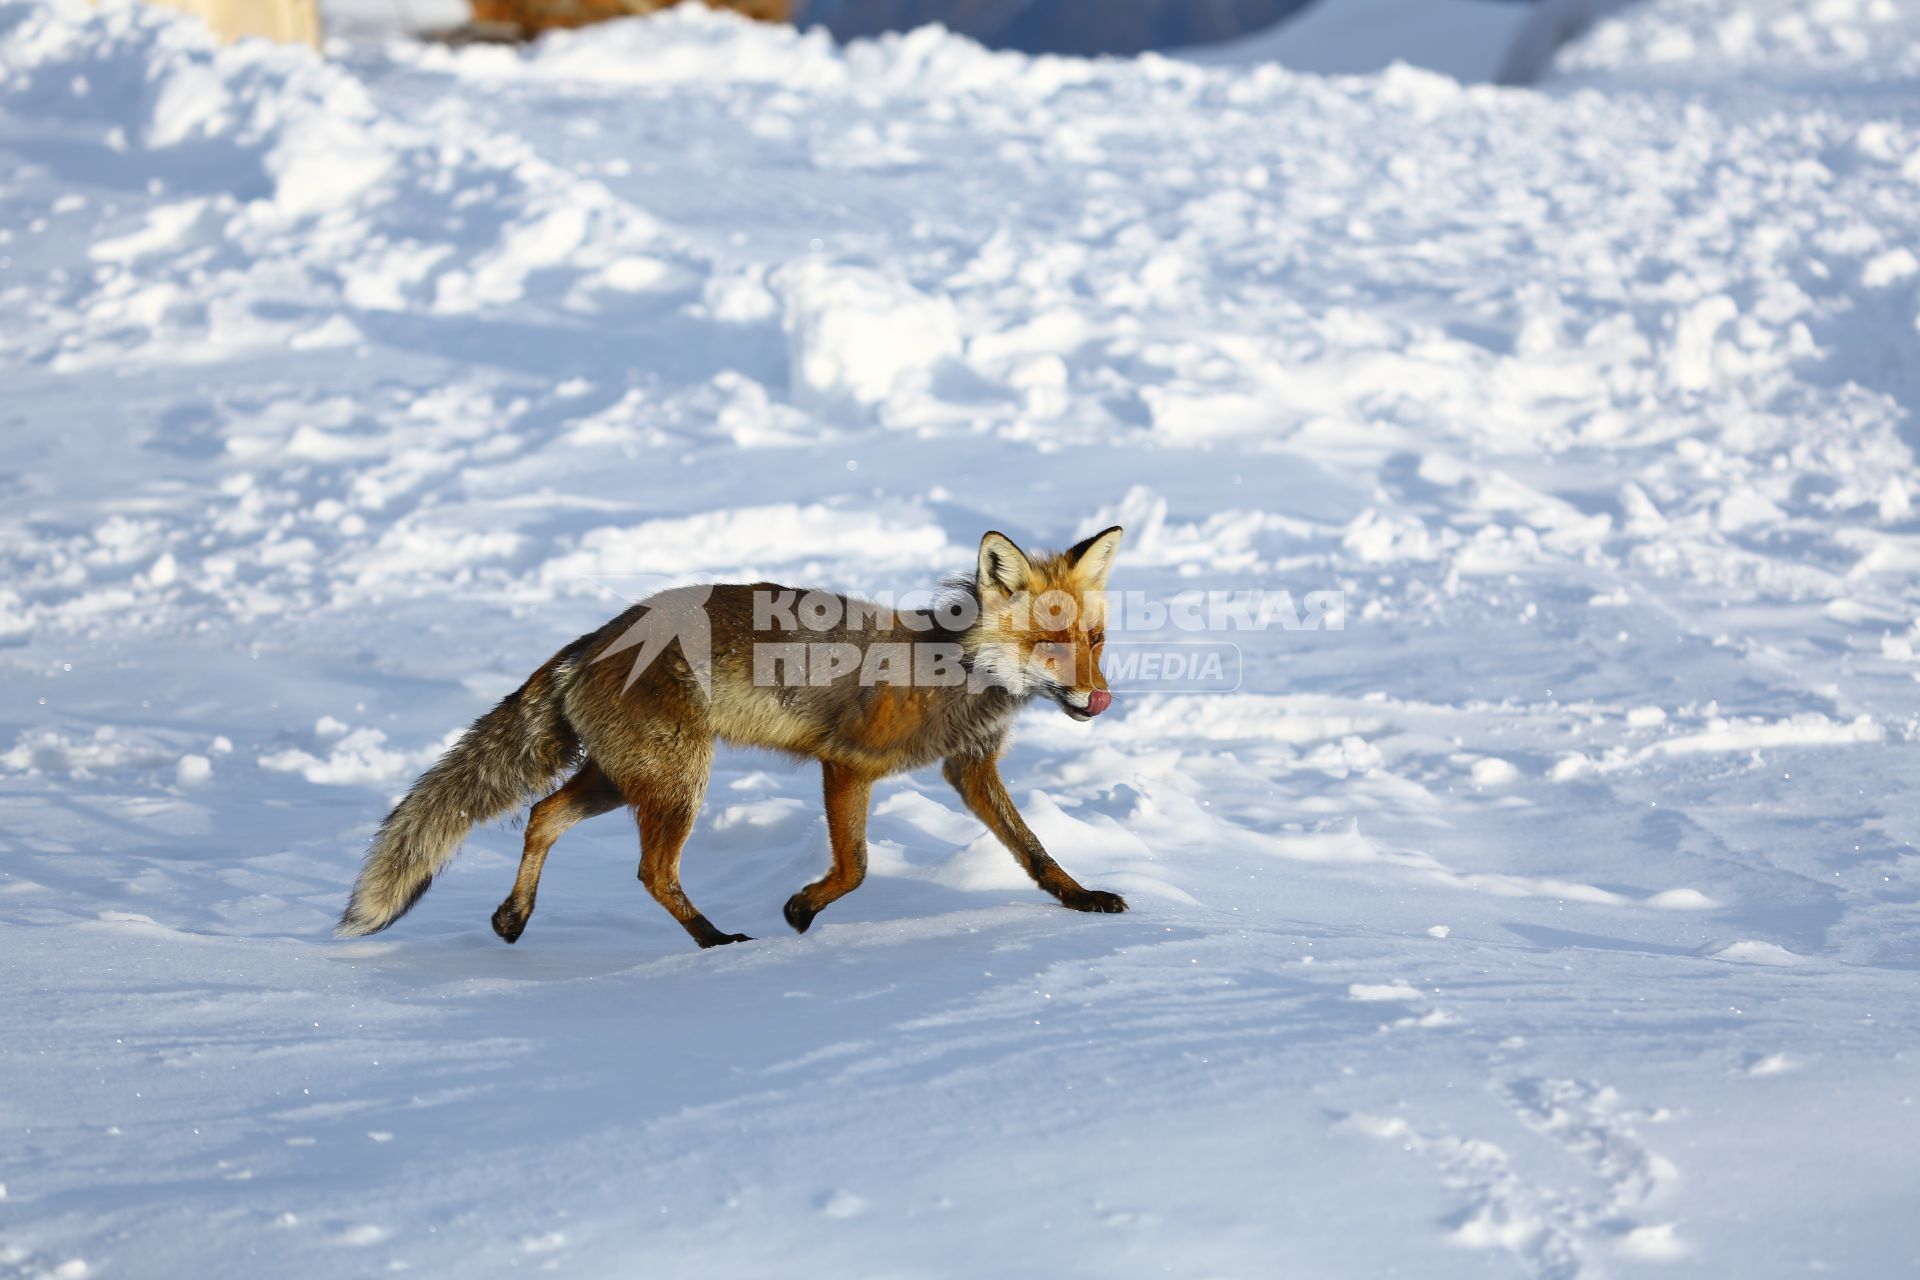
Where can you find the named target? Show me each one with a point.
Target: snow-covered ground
(1555, 917)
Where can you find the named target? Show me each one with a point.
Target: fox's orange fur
(644, 738)
(535, 16)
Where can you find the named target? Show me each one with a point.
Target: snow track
(1553, 917)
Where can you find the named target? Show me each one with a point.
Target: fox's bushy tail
(503, 757)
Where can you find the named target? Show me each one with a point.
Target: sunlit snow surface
(1555, 918)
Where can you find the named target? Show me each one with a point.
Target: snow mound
(1749, 951)
(858, 337)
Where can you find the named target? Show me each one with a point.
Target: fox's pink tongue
(1097, 701)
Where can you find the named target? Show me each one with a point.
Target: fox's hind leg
(666, 802)
(585, 794)
(848, 796)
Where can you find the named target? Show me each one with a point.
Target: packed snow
(1552, 915)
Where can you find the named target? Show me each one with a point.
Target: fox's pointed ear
(1093, 558)
(1003, 567)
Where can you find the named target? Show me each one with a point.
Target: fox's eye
(1053, 653)
(1097, 639)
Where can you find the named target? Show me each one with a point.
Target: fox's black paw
(1095, 900)
(722, 939)
(509, 922)
(798, 913)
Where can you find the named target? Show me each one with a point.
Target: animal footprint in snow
(1590, 1123)
(1501, 1210)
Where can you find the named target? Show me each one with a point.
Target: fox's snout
(1097, 701)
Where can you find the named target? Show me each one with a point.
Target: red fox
(867, 691)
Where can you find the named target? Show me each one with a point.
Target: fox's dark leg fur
(977, 779)
(666, 803)
(848, 794)
(663, 832)
(585, 794)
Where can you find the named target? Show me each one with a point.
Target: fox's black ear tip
(1080, 549)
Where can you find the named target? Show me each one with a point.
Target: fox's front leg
(977, 779)
(848, 795)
